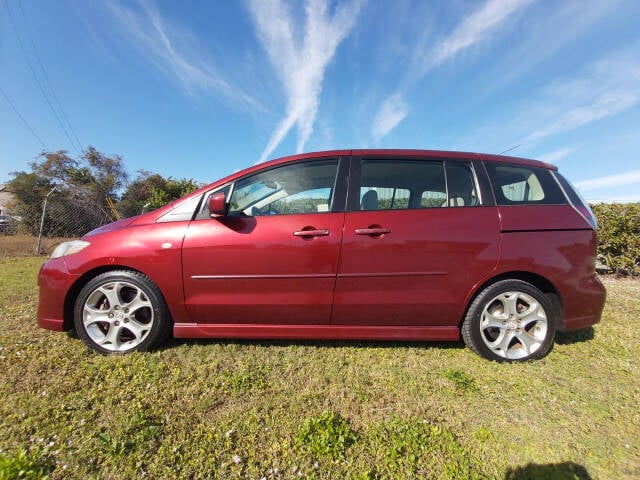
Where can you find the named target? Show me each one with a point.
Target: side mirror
(217, 205)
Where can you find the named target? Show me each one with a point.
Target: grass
(325, 410)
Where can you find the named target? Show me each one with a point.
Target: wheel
(121, 311)
(510, 320)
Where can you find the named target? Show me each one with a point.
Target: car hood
(120, 224)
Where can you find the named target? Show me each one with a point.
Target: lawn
(279, 409)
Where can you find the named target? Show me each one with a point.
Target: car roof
(409, 153)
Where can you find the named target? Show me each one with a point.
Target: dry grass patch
(25, 245)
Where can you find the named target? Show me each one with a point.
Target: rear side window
(521, 185)
(396, 184)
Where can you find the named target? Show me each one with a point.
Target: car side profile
(351, 244)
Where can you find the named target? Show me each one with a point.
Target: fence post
(44, 209)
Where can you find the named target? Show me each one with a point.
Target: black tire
(510, 321)
(134, 318)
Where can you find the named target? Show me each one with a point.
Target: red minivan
(349, 244)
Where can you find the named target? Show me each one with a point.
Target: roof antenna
(509, 149)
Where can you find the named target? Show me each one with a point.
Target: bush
(327, 434)
(619, 236)
(25, 465)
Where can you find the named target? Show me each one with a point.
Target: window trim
(486, 188)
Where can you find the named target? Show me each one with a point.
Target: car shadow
(556, 471)
(562, 338)
(176, 342)
(575, 336)
(279, 342)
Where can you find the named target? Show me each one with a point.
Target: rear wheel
(121, 311)
(510, 320)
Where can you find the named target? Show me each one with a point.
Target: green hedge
(619, 236)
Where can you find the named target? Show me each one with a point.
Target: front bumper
(54, 281)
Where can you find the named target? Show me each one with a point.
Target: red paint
(265, 273)
(382, 274)
(420, 272)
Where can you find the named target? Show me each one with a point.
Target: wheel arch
(541, 283)
(72, 293)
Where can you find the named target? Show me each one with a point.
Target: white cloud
(300, 61)
(173, 49)
(473, 28)
(608, 87)
(391, 113)
(607, 104)
(619, 180)
(553, 157)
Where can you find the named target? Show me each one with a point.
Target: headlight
(67, 248)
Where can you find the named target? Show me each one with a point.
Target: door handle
(311, 233)
(374, 232)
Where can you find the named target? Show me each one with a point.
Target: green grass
(326, 410)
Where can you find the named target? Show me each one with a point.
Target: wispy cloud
(173, 49)
(608, 87)
(619, 180)
(300, 61)
(554, 156)
(477, 26)
(472, 29)
(545, 33)
(391, 113)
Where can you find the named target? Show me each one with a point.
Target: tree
(86, 187)
(150, 191)
(83, 186)
(106, 174)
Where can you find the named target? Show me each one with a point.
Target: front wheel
(510, 320)
(121, 311)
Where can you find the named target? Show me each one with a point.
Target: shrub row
(619, 236)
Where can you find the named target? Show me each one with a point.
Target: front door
(273, 259)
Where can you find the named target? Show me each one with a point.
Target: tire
(120, 312)
(510, 321)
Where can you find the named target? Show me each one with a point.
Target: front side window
(521, 185)
(291, 189)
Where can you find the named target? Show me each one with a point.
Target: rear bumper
(54, 281)
(584, 307)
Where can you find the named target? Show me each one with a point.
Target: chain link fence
(42, 221)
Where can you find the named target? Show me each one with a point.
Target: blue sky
(201, 89)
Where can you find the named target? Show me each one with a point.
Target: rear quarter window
(523, 185)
